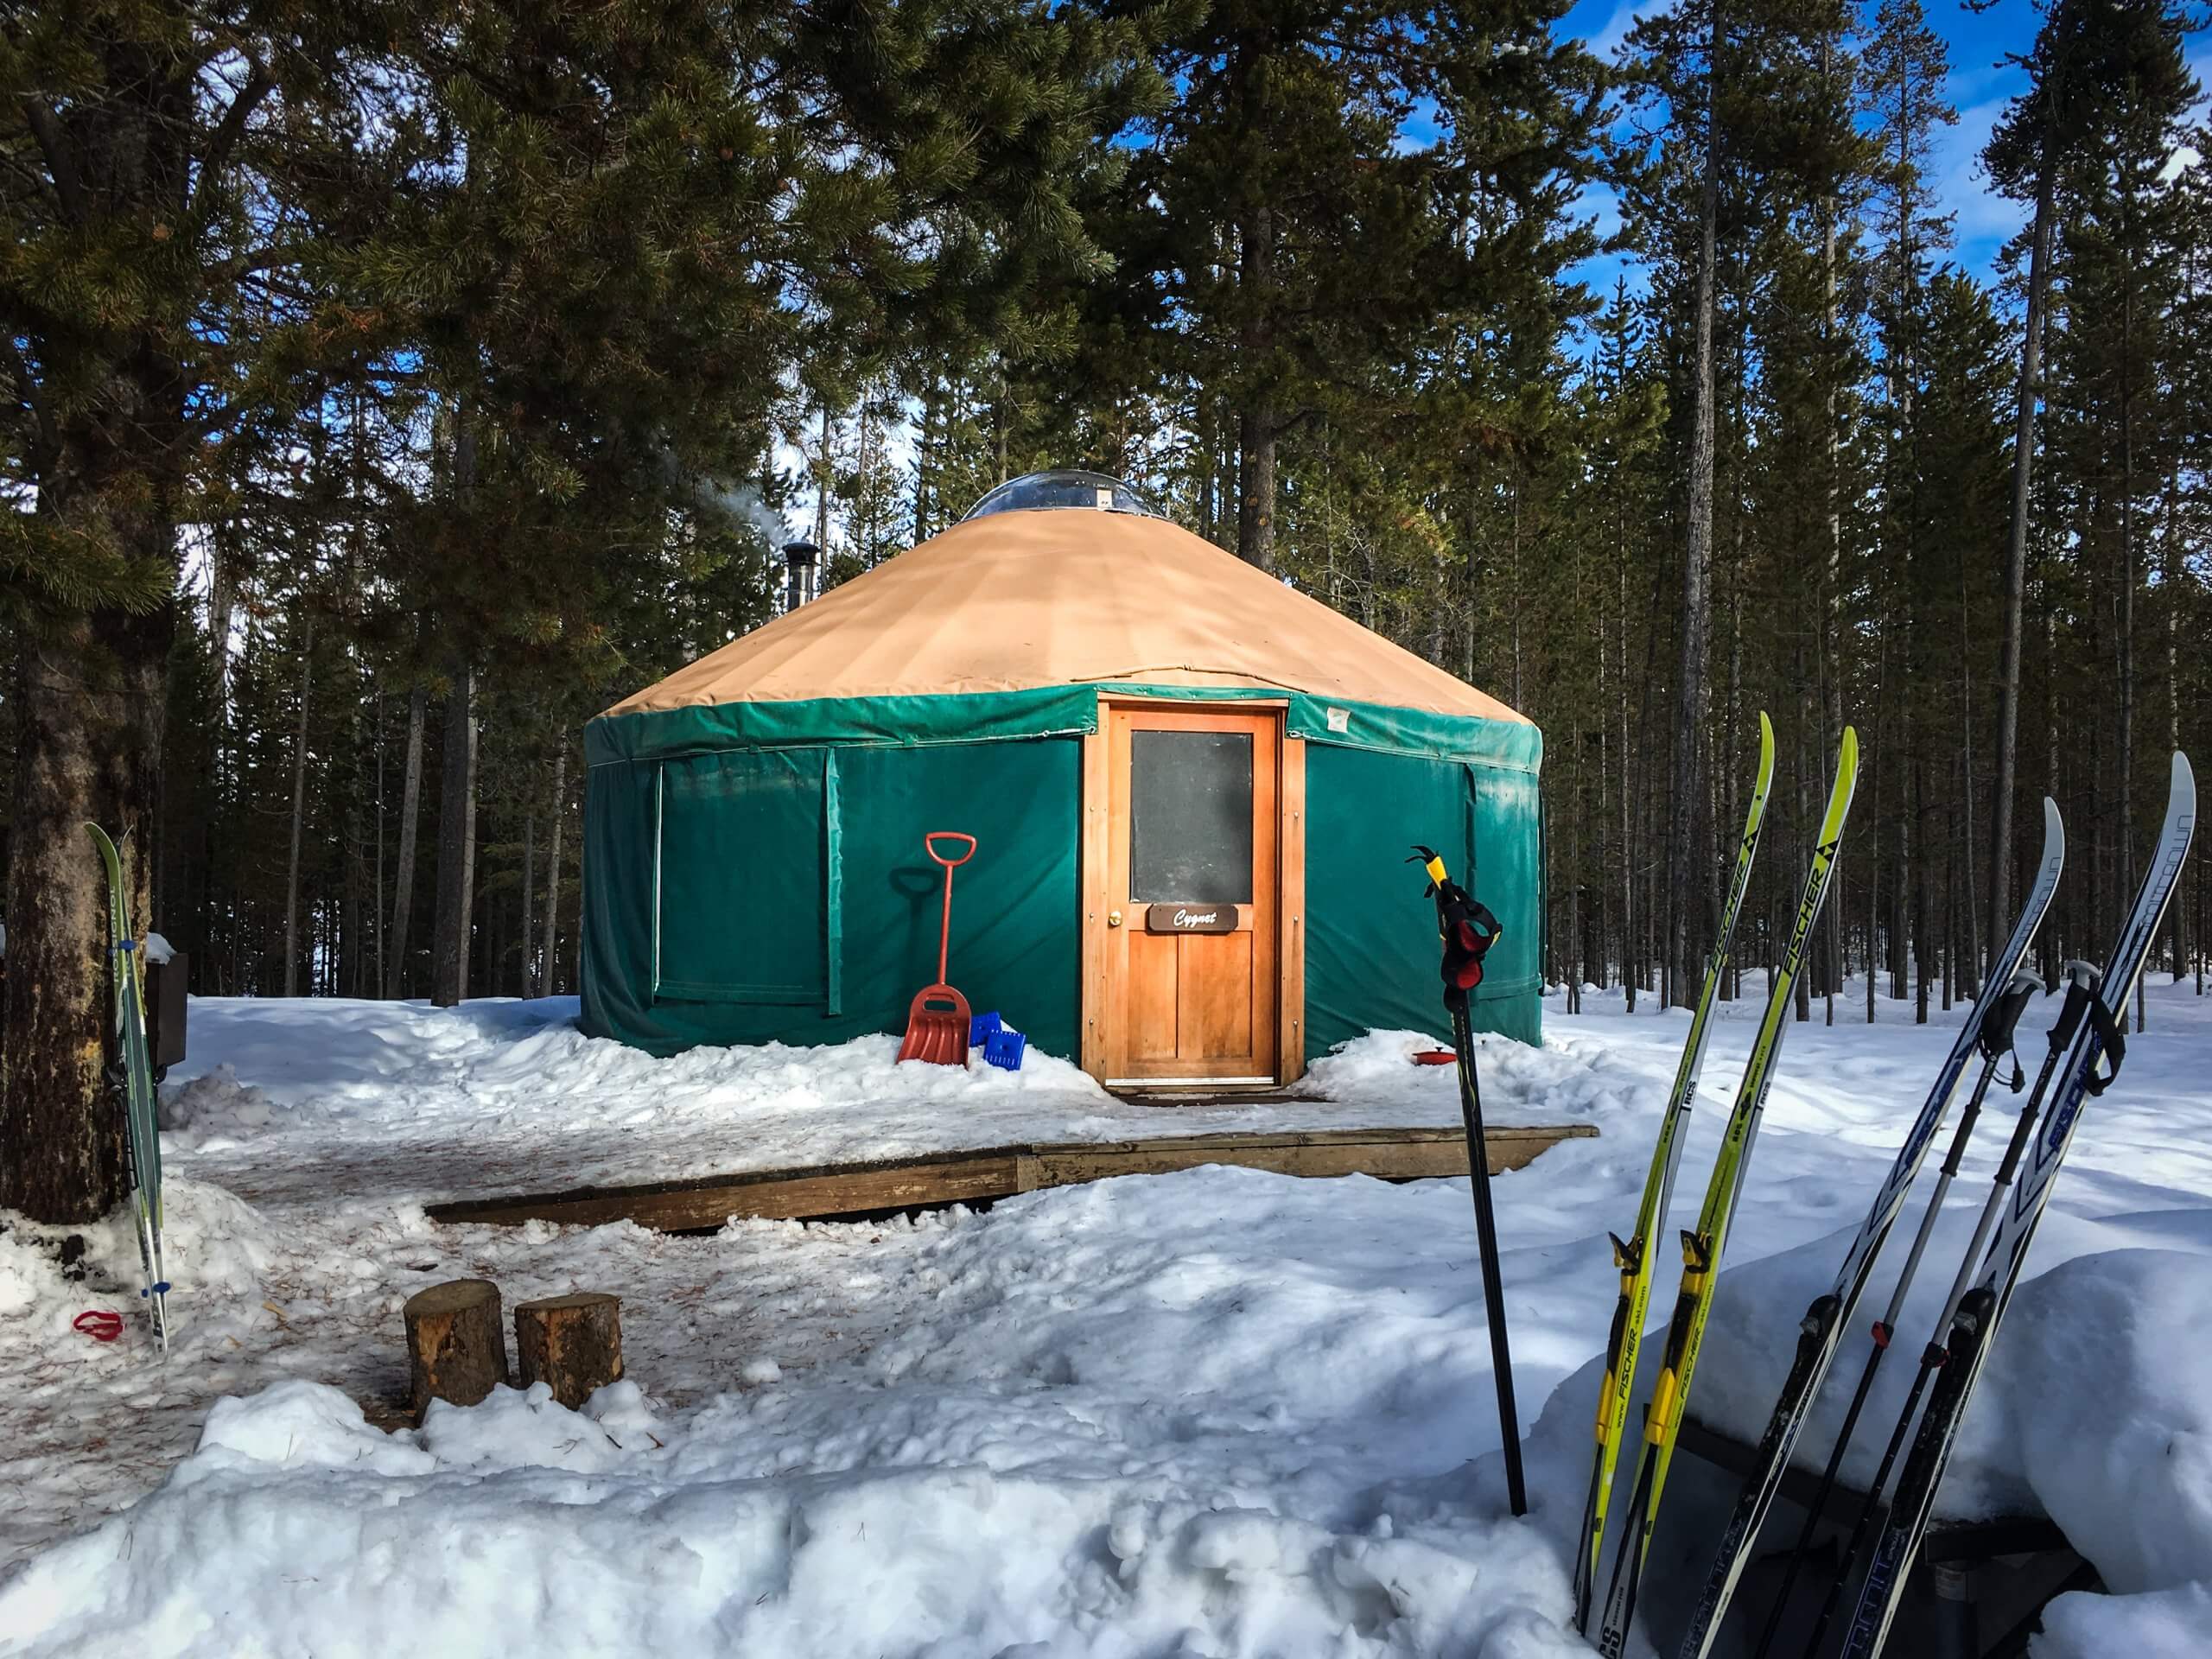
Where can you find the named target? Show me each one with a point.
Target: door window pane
(1191, 817)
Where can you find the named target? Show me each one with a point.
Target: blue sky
(1980, 83)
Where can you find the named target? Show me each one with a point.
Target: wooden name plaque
(1190, 918)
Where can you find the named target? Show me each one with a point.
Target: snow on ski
(141, 1126)
(1702, 1247)
(1822, 1330)
(1634, 1256)
(1974, 1325)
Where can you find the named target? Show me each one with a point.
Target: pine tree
(1294, 238)
(159, 155)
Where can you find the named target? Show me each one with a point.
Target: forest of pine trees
(394, 385)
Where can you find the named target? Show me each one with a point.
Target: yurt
(1193, 789)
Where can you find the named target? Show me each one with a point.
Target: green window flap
(742, 906)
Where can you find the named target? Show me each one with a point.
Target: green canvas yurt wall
(753, 861)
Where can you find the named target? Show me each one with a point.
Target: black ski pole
(1469, 929)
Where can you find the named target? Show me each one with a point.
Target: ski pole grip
(2082, 981)
(2004, 1014)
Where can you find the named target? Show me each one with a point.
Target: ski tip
(2182, 796)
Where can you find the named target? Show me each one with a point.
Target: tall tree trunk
(299, 812)
(450, 944)
(88, 728)
(553, 869)
(376, 905)
(89, 686)
(2126, 642)
(1685, 848)
(1202, 424)
(1874, 827)
(1801, 991)
(2016, 544)
(1632, 958)
(402, 874)
(525, 972)
(822, 476)
(1831, 586)
(1258, 423)
(923, 439)
(2171, 590)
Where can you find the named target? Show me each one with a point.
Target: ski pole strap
(1996, 1035)
(1467, 926)
(2111, 1042)
(1468, 930)
(2085, 983)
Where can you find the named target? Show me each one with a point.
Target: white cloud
(1984, 218)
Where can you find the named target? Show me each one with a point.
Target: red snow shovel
(936, 1020)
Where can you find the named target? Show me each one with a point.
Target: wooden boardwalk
(1000, 1172)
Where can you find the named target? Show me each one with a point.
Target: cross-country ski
(2022, 1193)
(1986, 1034)
(134, 1084)
(1636, 1255)
(1702, 1245)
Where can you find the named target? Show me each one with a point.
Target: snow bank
(1215, 1413)
(1152, 1416)
(215, 1101)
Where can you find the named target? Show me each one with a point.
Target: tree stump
(573, 1343)
(456, 1345)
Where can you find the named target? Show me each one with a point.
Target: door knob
(1113, 919)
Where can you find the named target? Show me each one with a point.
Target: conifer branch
(257, 86)
(46, 127)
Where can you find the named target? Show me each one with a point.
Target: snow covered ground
(1215, 1413)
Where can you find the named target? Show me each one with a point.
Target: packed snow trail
(1156, 1415)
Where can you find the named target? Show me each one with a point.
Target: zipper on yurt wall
(660, 792)
(833, 889)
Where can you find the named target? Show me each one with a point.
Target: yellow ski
(1702, 1247)
(1633, 1256)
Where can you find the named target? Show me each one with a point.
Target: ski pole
(1468, 930)
(2081, 989)
(1994, 1039)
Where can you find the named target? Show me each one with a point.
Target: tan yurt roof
(1016, 601)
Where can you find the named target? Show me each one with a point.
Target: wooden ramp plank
(1000, 1172)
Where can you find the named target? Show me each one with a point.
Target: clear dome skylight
(1064, 487)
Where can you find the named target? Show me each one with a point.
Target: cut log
(574, 1344)
(456, 1343)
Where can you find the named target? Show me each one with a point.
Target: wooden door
(1193, 937)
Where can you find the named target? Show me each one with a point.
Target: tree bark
(1259, 421)
(89, 686)
(456, 1343)
(525, 971)
(2126, 643)
(2171, 570)
(456, 843)
(299, 812)
(2016, 544)
(553, 871)
(1690, 689)
(572, 1344)
(402, 875)
(1256, 483)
